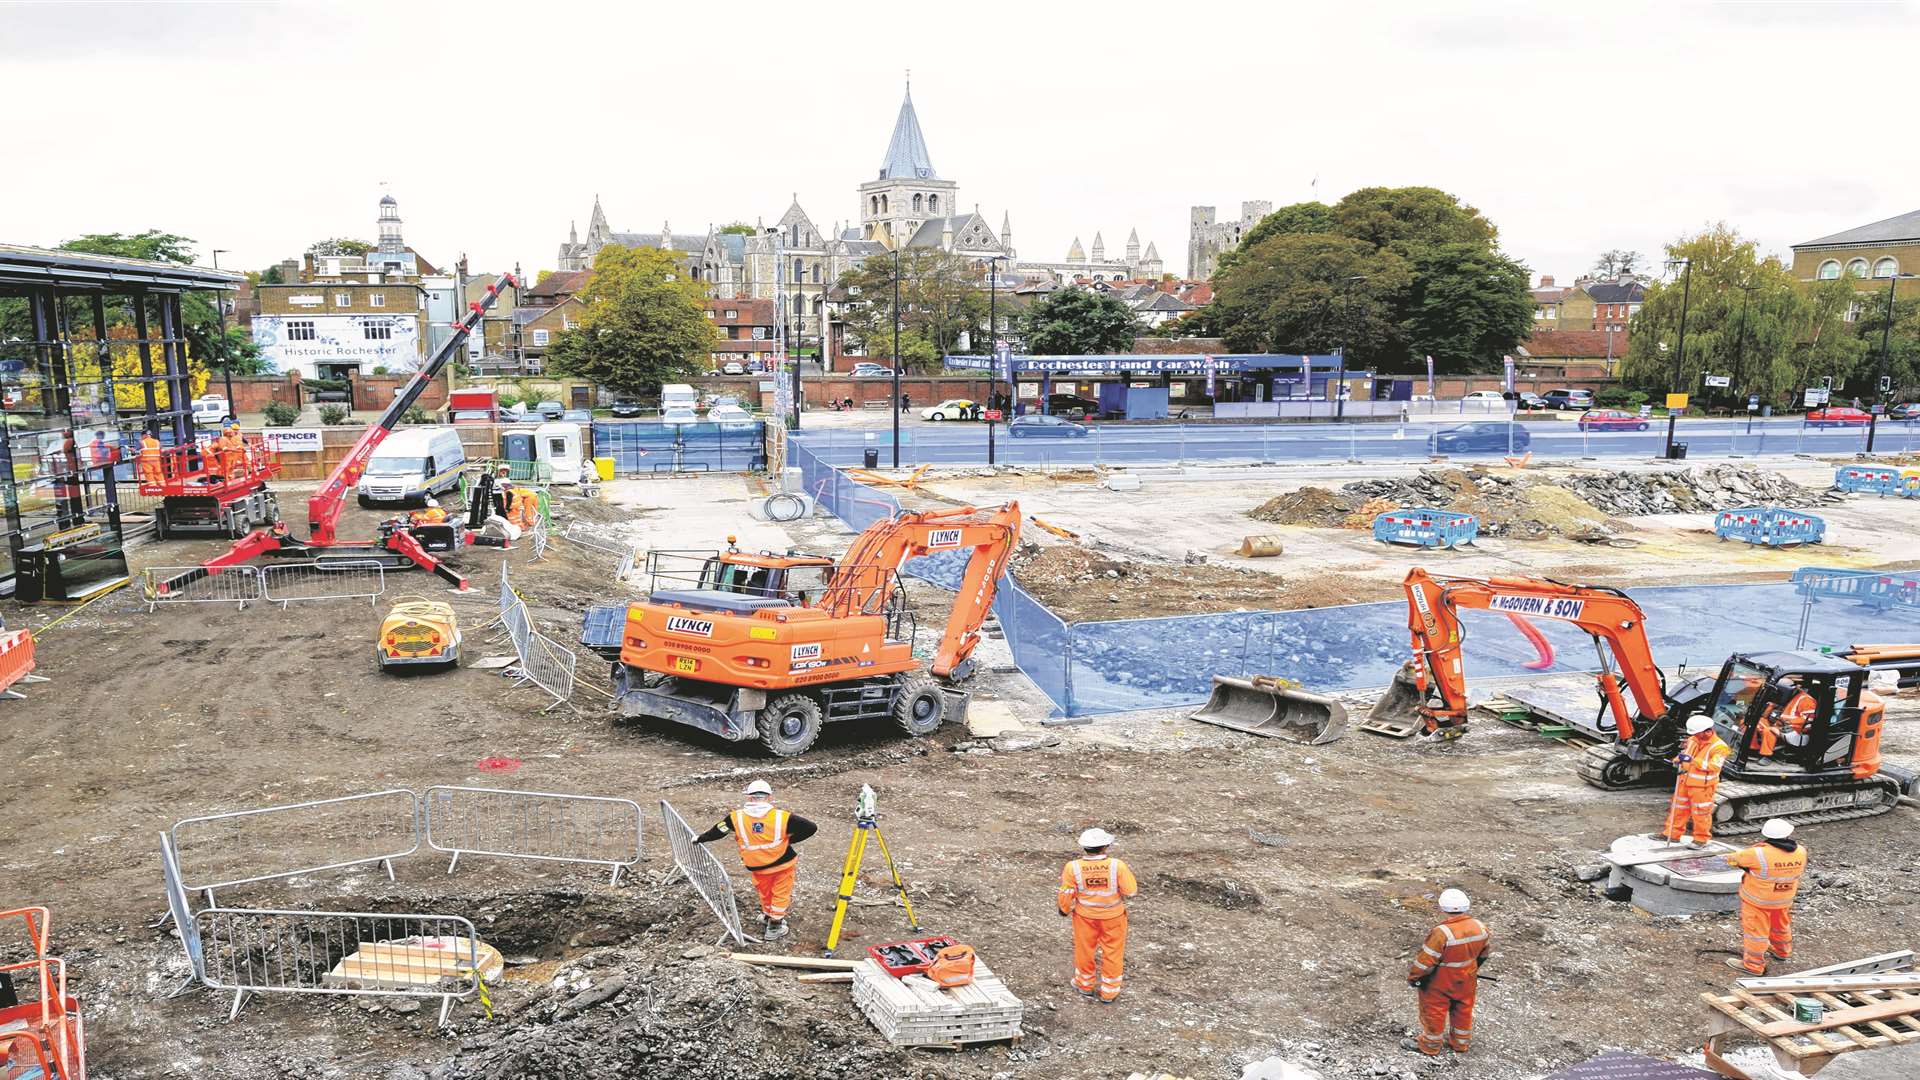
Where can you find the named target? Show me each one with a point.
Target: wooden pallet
(914, 1012)
(1854, 1020)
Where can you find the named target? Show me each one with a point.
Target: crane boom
(324, 505)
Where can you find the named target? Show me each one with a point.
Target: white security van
(412, 464)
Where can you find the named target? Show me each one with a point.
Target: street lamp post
(1880, 376)
(1680, 354)
(896, 357)
(226, 361)
(993, 322)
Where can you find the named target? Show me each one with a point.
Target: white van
(676, 396)
(558, 445)
(412, 464)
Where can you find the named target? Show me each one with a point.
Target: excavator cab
(1798, 716)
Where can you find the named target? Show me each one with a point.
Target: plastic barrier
(1823, 583)
(1878, 479)
(16, 662)
(1426, 528)
(1769, 525)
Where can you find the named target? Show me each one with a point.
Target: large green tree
(1902, 366)
(234, 350)
(644, 323)
(1391, 274)
(340, 245)
(1747, 318)
(1075, 322)
(941, 296)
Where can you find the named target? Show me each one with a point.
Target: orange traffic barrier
(16, 662)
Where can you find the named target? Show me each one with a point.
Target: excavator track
(1607, 767)
(1742, 808)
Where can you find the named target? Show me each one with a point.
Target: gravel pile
(1693, 490)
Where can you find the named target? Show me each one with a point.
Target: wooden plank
(1866, 965)
(828, 977)
(1879, 1010)
(819, 963)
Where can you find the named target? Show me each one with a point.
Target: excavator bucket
(1397, 714)
(1272, 707)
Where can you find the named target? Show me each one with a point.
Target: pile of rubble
(1514, 504)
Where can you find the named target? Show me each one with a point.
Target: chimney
(1546, 281)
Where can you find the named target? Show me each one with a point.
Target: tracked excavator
(758, 645)
(1804, 728)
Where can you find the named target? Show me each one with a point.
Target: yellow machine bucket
(1264, 705)
(1397, 714)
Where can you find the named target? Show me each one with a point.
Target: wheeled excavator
(772, 647)
(1804, 728)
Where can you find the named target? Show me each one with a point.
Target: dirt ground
(1239, 950)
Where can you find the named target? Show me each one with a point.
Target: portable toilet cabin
(517, 444)
(558, 446)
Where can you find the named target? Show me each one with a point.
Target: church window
(816, 273)
(883, 204)
(798, 271)
(873, 204)
(933, 203)
(916, 202)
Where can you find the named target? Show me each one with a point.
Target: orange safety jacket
(1772, 874)
(1795, 717)
(1703, 756)
(150, 454)
(1454, 950)
(432, 515)
(763, 840)
(1096, 888)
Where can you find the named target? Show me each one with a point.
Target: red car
(1611, 420)
(1838, 417)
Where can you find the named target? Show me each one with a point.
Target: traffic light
(1826, 382)
(1886, 383)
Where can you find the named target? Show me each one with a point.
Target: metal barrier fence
(533, 825)
(1875, 589)
(359, 953)
(540, 536)
(323, 579)
(702, 871)
(550, 666)
(646, 448)
(217, 851)
(1769, 525)
(227, 585)
(586, 535)
(1426, 528)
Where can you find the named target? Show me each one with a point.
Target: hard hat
(431, 501)
(760, 787)
(1096, 838)
(1453, 902)
(1778, 828)
(1698, 724)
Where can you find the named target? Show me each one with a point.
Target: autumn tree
(643, 323)
(941, 297)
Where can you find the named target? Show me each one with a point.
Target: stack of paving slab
(914, 1012)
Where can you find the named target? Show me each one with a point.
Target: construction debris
(1806, 1026)
(1260, 546)
(1576, 505)
(912, 1011)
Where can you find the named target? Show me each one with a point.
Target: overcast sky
(1575, 128)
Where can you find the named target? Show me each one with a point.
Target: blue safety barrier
(1769, 525)
(645, 447)
(1875, 589)
(1878, 479)
(1426, 528)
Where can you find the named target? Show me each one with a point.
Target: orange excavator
(774, 646)
(1804, 728)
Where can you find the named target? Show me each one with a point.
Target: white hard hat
(1778, 828)
(760, 787)
(1096, 838)
(1698, 724)
(431, 501)
(1453, 902)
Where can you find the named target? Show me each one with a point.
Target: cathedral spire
(1099, 247)
(907, 151)
(597, 227)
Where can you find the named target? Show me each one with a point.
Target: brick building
(337, 328)
(745, 328)
(1870, 253)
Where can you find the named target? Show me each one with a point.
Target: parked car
(868, 371)
(1611, 420)
(1037, 426)
(1527, 399)
(626, 408)
(728, 411)
(1072, 406)
(1485, 395)
(550, 410)
(209, 409)
(1908, 410)
(577, 416)
(1490, 436)
(1569, 399)
(953, 409)
(733, 367)
(1838, 416)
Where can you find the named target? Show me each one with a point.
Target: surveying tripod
(866, 820)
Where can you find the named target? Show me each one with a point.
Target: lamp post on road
(993, 322)
(1685, 267)
(1346, 308)
(896, 357)
(1880, 387)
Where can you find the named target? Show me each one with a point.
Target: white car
(952, 409)
(210, 409)
(728, 412)
(733, 367)
(868, 371)
(1485, 395)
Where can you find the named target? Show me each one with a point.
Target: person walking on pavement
(1701, 758)
(1447, 972)
(1773, 869)
(766, 835)
(1093, 892)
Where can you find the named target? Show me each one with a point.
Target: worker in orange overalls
(1701, 758)
(147, 464)
(766, 835)
(1447, 974)
(431, 514)
(1789, 725)
(522, 507)
(1772, 877)
(1094, 891)
(232, 451)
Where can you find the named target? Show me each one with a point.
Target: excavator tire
(1608, 767)
(789, 724)
(920, 706)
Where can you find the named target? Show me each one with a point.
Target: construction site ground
(1282, 887)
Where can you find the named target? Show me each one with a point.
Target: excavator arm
(1610, 617)
(866, 578)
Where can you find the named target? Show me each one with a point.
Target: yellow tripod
(866, 820)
